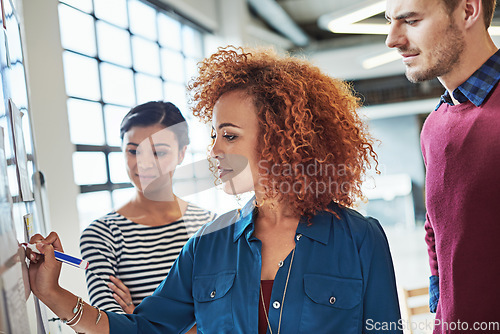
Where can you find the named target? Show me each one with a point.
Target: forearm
(431, 247)
(63, 302)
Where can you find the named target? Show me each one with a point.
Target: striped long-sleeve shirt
(139, 255)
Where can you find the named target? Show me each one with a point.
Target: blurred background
(87, 62)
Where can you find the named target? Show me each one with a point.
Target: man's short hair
(488, 9)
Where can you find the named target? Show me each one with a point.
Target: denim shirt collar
(318, 229)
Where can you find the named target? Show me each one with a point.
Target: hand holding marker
(65, 258)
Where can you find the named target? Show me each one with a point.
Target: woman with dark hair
(131, 249)
(296, 258)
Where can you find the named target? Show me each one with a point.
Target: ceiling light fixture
(381, 59)
(346, 21)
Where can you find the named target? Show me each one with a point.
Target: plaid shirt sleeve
(433, 293)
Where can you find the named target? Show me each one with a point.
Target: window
(117, 54)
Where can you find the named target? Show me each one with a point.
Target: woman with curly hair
(295, 258)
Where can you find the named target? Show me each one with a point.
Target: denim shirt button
(333, 300)
(276, 304)
(298, 236)
(280, 264)
(212, 294)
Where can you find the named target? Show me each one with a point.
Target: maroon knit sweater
(461, 149)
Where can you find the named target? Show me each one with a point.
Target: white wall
(43, 57)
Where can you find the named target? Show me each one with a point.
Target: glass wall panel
(142, 19)
(146, 56)
(83, 5)
(113, 116)
(77, 30)
(89, 168)
(85, 122)
(117, 168)
(117, 85)
(172, 66)
(81, 76)
(149, 88)
(169, 31)
(114, 44)
(113, 11)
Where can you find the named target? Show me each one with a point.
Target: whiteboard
(20, 311)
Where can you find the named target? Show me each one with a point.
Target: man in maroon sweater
(448, 39)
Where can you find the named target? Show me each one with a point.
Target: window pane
(81, 76)
(148, 88)
(113, 11)
(77, 30)
(146, 56)
(200, 138)
(169, 31)
(117, 170)
(172, 65)
(191, 69)
(142, 19)
(192, 42)
(117, 85)
(176, 94)
(85, 122)
(85, 5)
(113, 116)
(114, 44)
(92, 206)
(122, 196)
(89, 168)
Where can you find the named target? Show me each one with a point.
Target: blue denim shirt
(215, 281)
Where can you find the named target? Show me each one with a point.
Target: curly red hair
(306, 118)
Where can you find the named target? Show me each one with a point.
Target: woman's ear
(182, 154)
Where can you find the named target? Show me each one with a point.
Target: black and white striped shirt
(139, 255)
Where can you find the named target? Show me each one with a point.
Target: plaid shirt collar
(479, 84)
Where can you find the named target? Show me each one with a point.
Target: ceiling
(306, 14)
(342, 53)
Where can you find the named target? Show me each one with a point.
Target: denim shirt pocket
(212, 297)
(331, 304)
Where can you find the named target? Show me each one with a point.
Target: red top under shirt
(267, 288)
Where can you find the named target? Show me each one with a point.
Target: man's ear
(472, 13)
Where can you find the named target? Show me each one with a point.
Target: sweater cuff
(433, 293)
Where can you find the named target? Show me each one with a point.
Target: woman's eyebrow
(162, 144)
(222, 125)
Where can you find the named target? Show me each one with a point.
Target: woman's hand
(44, 269)
(122, 295)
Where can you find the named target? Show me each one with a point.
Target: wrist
(52, 296)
